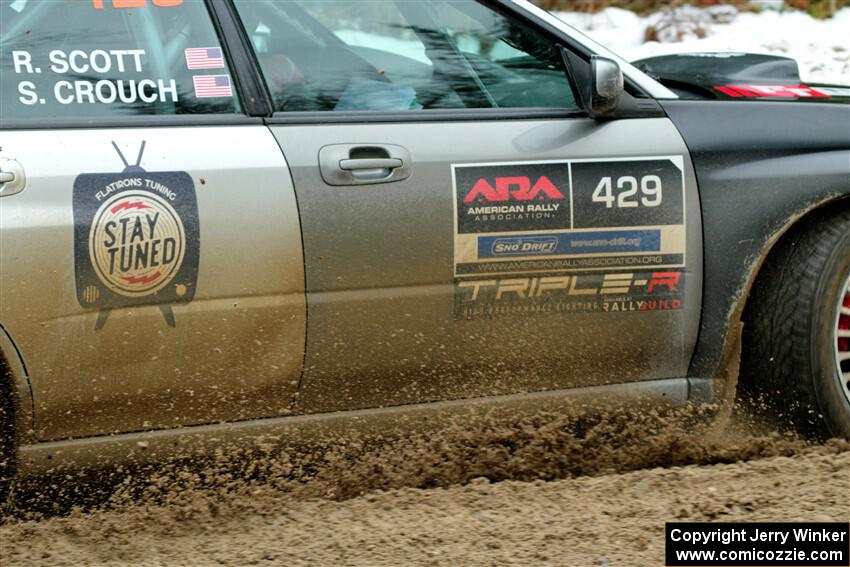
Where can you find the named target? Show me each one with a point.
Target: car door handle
(12, 178)
(370, 163)
(363, 164)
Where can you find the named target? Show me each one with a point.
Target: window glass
(100, 58)
(400, 55)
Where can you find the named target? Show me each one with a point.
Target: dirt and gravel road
(542, 490)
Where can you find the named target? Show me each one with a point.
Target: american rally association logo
(136, 239)
(506, 198)
(137, 244)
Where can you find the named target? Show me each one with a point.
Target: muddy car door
(151, 253)
(468, 229)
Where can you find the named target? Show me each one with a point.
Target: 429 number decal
(627, 193)
(651, 194)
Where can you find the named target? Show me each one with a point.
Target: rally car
(228, 216)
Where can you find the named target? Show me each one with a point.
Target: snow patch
(820, 47)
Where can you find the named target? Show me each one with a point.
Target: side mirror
(598, 83)
(606, 86)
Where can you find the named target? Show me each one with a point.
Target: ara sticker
(580, 214)
(501, 198)
(136, 239)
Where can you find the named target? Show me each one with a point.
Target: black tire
(789, 361)
(8, 445)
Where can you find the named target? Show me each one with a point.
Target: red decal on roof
(733, 92)
(783, 91)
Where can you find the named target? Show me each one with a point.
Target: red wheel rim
(842, 339)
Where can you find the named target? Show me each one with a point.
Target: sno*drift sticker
(136, 239)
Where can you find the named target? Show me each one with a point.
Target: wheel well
(16, 403)
(787, 237)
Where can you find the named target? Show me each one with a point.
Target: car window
(321, 55)
(105, 58)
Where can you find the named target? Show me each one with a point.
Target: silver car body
(314, 298)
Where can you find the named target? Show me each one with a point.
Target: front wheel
(8, 449)
(796, 357)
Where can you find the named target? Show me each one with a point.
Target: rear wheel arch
(11, 402)
(15, 391)
(789, 231)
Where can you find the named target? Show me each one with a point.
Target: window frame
(502, 7)
(256, 102)
(642, 105)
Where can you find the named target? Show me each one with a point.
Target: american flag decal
(208, 86)
(204, 58)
